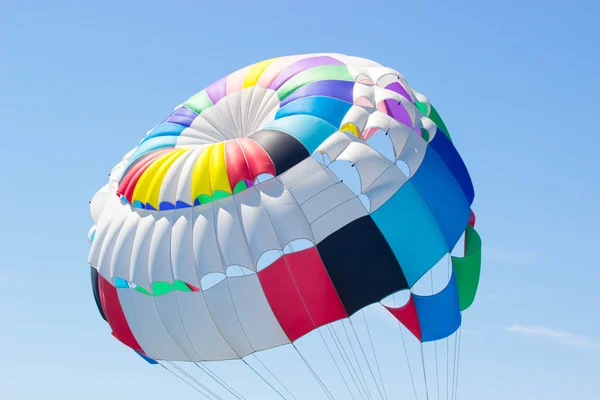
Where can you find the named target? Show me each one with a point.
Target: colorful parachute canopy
(288, 195)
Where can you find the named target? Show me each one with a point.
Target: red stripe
(127, 185)
(257, 158)
(407, 315)
(235, 162)
(114, 314)
(315, 287)
(284, 299)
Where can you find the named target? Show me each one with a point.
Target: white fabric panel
(98, 202)
(326, 200)
(105, 258)
(245, 101)
(414, 113)
(335, 144)
(168, 190)
(121, 257)
(222, 309)
(255, 314)
(366, 91)
(206, 250)
(231, 239)
(126, 301)
(158, 341)
(233, 102)
(184, 185)
(259, 100)
(112, 205)
(413, 152)
(219, 117)
(370, 166)
(140, 250)
(182, 251)
(337, 218)
(268, 107)
(430, 126)
(202, 331)
(168, 308)
(313, 185)
(382, 144)
(286, 215)
(159, 262)
(201, 129)
(384, 187)
(301, 171)
(358, 116)
(256, 224)
(379, 120)
(399, 134)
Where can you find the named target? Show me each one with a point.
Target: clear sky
(516, 82)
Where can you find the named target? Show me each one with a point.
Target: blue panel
(310, 131)
(149, 206)
(181, 204)
(121, 283)
(155, 143)
(411, 231)
(148, 359)
(443, 195)
(93, 236)
(452, 159)
(166, 205)
(327, 108)
(439, 314)
(166, 129)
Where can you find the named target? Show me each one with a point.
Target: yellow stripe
(218, 172)
(153, 194)
(255, 72)
(143, 184)
(200, 177)
(350, 128)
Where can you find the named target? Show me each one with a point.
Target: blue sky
(515, 81)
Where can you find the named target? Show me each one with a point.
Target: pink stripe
(235, 81)
(271, 72)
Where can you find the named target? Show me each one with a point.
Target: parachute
(292, 231)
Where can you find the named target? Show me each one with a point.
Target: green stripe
(199, 102)
(160, 288)
(324, 72)
(468, 269)
(435, 117)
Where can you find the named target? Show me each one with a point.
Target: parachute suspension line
(454, 365)
(312, 371)
(412, 380)
(185, 381)
(196, 381)
(374, 353)
(358, 363)
(437, 373)
(334, 336)
(273, 375)
(367, 360)
(336, 364)
(448, 341)
(457, 363)
(220, 381)
(424, 372)
(264, 380)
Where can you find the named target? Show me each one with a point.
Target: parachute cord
(437, 373)
(454, 364)
(448, 342)
(412, 380)
(334, 336)
(367, 360)
(273, 375)
(336, 364)
(374, 353)
(424, 372)
(220, 381)
(325, 390)
(458, 363)
(196, 381)
(264, 380)
(186, 382)
(356, 359)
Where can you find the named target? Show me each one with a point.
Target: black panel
(284, 149)
(361, 264)
(96, 291)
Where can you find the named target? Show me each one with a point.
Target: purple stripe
(398, 88)
(300, 66)
(337, 89)
(182, 116)
(217, 90)
(398, 112)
